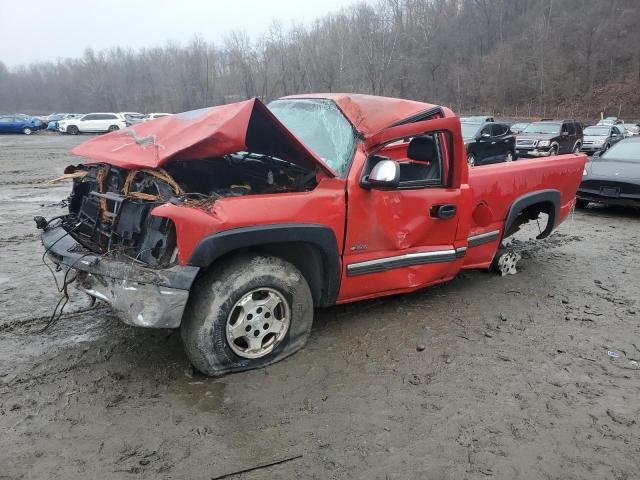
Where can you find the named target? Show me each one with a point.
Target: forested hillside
(543, 57)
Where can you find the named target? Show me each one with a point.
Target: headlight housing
(543, 143)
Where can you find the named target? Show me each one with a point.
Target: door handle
(444, 212)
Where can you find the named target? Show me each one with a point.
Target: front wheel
(27, 131)
(553, 151)
(246, 313)
(577, 147)
(510, 157)
(72, 130)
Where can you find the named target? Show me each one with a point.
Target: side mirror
(385, 174)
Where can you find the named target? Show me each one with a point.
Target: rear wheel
(27, 131)
(246, 313)
(113, 128)
(581, 203)
(72, 130)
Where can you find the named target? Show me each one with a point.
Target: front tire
(577, 147)
(553, 151)
(510, 157)
(27, 131)
(246, 313)
(72, 130)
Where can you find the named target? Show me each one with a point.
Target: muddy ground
(514, 381)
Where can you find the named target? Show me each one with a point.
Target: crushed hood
(198, 134)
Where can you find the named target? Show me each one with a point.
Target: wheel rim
(113, 128)
(509, 157)
(554, 150)
(471, 160)
(576, 149)
(258, 322)
(27, 131)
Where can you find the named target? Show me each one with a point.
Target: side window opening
(423, 159)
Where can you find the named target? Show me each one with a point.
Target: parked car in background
(153, 116)
(599, 138)
(488, 143)
(611, 121)
(477, 119)
(519, 127)
(135, 119)
(547, 138)
(613, 178)
(92, 123)
(124, 115)
(53, 124)
(18, 124)
(631, 129)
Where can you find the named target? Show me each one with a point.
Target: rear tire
(113, 128)
(582, 204)
(72, 130)
(236, 315)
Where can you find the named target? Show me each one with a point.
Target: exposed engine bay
(109, 206)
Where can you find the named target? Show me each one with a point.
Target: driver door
(404, 238)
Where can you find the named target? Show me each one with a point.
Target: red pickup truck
(234, 222)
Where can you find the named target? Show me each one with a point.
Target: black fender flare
(214, 246)
(532, 198)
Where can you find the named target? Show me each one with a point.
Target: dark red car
(234, 222)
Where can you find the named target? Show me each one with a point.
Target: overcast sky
(50, 29)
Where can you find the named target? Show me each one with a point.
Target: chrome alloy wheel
(258, 322)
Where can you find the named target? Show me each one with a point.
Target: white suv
(92, 123)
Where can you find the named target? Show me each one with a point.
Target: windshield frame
(349, 156)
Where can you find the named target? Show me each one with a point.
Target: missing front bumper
(140, 296)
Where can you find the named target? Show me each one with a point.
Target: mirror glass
(385, 173)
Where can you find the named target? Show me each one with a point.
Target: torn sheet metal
(199, 134)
